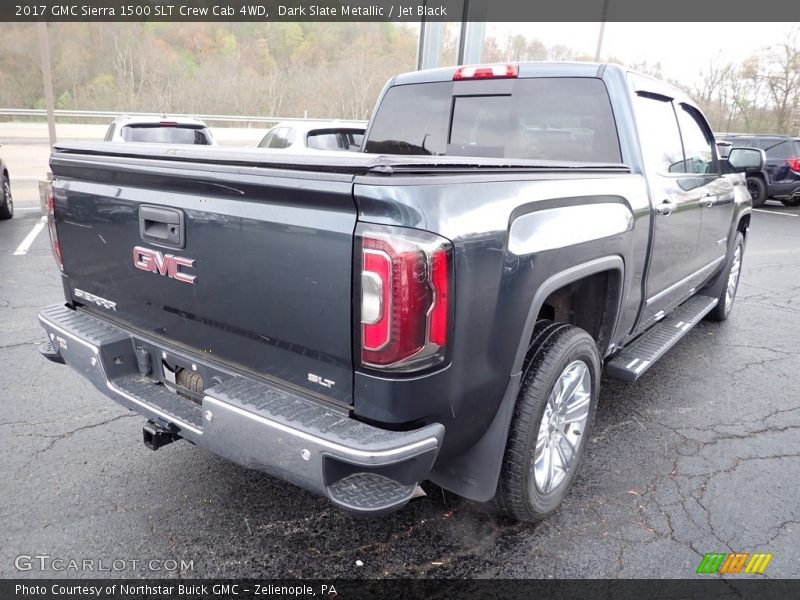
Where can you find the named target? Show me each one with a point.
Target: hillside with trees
(285, 69)
(324, 70)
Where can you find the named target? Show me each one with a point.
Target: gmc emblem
(163, 264)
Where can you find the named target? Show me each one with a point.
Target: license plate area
(179, 373)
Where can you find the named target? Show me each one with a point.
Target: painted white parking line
(23, 248)
(775, 212)
(18, 208)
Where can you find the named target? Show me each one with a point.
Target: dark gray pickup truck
(438, 307)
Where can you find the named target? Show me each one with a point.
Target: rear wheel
(552, 421)
(6, 201)
(734, 270)
(758, 191)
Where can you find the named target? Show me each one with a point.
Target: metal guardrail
(107, 115)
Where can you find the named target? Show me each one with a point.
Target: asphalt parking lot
(700, 455)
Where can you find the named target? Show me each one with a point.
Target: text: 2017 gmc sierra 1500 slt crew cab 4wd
(438, 307)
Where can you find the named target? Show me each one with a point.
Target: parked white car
(312, 137)
(160, 130)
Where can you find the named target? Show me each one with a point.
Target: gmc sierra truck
(438, 307)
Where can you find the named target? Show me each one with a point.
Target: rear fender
(474, 473)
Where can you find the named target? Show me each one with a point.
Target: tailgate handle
(161, 225)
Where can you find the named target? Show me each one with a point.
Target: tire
(758, 191)
(733, 271)
(530, 488)
(7, 205)
(791, 202)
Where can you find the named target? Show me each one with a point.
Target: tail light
(486, 72)
(51, 226)
(406, 305)
(794, 164)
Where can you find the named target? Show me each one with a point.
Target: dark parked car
(6, 201)
(780, 177)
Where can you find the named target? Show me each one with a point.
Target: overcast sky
(683, 49)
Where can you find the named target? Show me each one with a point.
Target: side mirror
(747, 159)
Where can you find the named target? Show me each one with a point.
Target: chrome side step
(635, 359)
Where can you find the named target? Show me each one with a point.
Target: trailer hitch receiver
(155, 436)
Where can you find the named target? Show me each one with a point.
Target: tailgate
(246, 265)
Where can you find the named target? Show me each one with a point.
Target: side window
(660, 137)
(264, 143)
(698, 143)
(780, 150)
(279, 139)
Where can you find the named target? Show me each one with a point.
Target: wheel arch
(743, 224)
(474, 474)
(603, 330)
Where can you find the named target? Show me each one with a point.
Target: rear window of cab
(565, 119)
(160, 134)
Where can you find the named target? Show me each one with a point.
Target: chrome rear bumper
(359, 467)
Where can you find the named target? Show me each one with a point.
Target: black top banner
(401, 10)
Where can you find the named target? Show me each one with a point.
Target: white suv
(159, 130)
(314, 137)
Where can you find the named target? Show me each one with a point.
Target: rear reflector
(51, 227)
(405, 302)
(440, 282)
(486, 72)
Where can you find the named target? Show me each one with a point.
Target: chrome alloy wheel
(562, 425)
(733, 278)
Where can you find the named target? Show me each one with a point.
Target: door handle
(161, 225)
(709, 200)
(666, 208)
